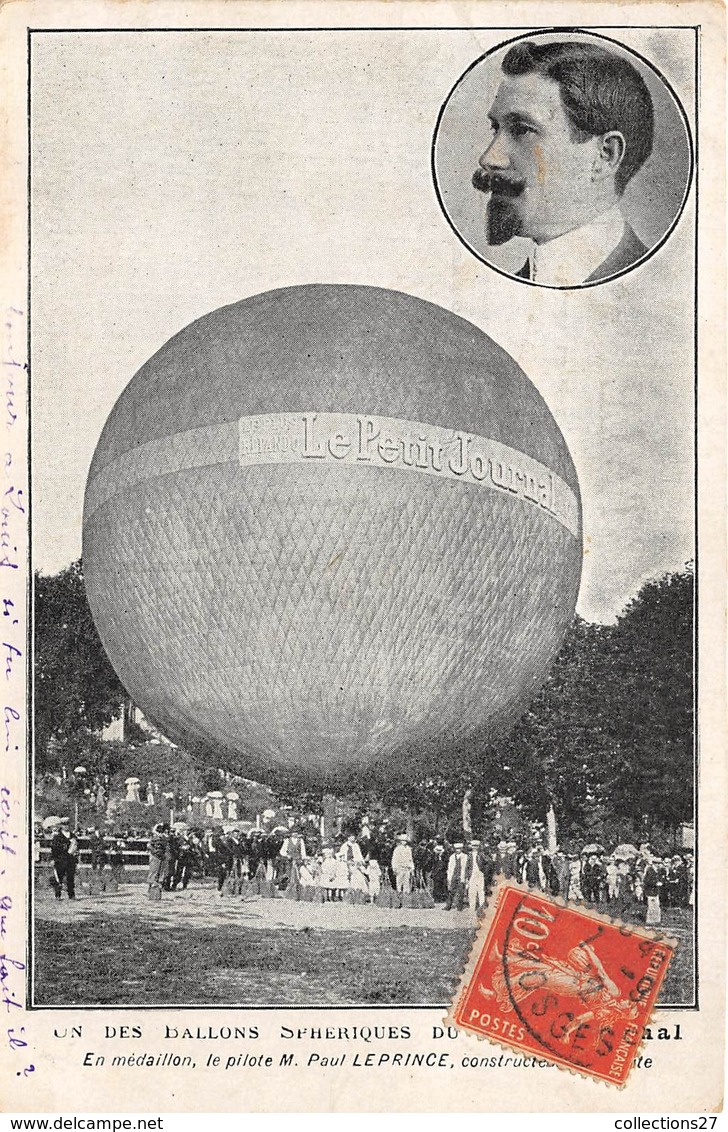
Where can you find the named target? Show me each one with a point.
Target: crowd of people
(65, 852)
(365, 867)
(380, 867)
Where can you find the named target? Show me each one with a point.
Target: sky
(174, 173)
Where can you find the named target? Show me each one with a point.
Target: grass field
(102, 961)
(89, 954)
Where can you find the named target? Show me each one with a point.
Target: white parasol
(625, 852)
(53, 821)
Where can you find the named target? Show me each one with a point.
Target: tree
(559, 743)
(609, 738)
(652, 717)
(77, 691)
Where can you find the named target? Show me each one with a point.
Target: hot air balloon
(331, 532)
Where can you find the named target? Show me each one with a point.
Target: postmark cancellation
(560, 982)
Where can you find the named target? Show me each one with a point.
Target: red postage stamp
(561, 983)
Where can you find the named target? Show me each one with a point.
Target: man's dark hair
(600, 91)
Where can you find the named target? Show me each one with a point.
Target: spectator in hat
(74, 850)
(502, 860)
(661, 864)
(423, 858)
(457, 867)
(624, 880)
(478, 874)
(294, 847)
(575, 890)
(116, 860)
(403, 865)
(561, 873)
(98, 850)
(651, 886)
(171, 851)
(273, 843)
(237, 852)
(64, 864)
(255, 851)
(591, 878)
(439, 874)
(222, 857)
(157, 851)
(677, 880)
(513, 861)
(533, 870)
(188, 856)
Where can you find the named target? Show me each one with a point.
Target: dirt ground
(193, 948)
(201, 907)
(197, 948)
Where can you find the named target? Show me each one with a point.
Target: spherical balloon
(331, 531)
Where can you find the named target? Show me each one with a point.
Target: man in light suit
(571, 124)
(478, 874)
(403, 864)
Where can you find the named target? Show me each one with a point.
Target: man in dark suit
(439, 874)
(572, 123)
(457, 868)
(64, 854)
(97, 845)
(157, 852)
(185, 861)
(222, 856)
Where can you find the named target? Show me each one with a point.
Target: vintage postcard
(362, 553)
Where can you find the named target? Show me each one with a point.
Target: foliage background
(608, 741)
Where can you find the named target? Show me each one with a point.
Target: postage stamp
(561, 983)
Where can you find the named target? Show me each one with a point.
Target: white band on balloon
(346, 439)
(387, 442)
(197, 448)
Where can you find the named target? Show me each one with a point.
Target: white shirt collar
(570, 259)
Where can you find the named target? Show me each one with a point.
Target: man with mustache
(572, 123)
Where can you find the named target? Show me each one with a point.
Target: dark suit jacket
(629, 249)
(59, 847)
(485, 864)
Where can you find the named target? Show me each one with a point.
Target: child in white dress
(374, 877)
(329, 874)
(342, 878)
